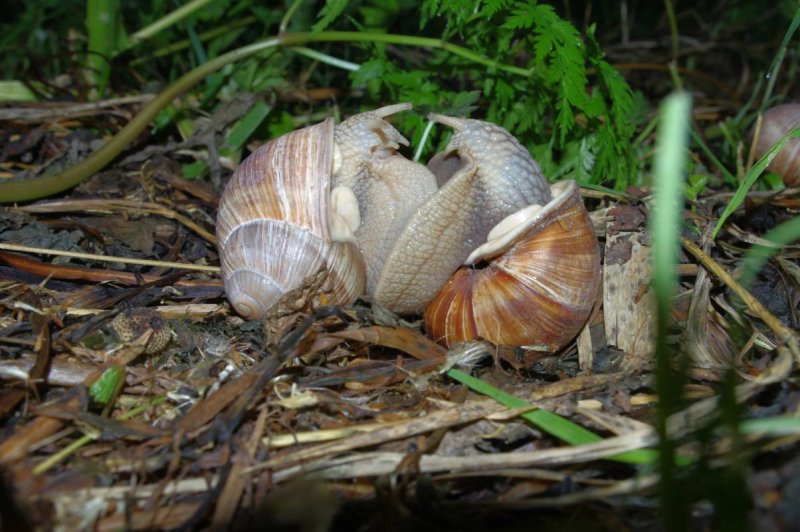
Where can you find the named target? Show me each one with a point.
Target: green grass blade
(246, 126)
(553, 424)
(772, 426)
(778, 61)
(757, 255)
(750, 179)
(15, 91)
(664, 224)
(166, 21)
(729, 177)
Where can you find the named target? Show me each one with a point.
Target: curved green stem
(47, 185)
(166, 21)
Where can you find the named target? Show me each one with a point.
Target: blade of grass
(166, 21)
(664, 224)
(758, 254)
(776, 63)
(325, 58)
(245, 127)
(15, 91)
(549, 422)
(750, 179)
(729, 177)
(772, 426)
(84, 440)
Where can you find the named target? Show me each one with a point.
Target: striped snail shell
(534, 284)
(273, 228)
(292, 211)
(775, 124)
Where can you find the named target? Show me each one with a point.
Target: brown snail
(379, 224)
(776, 122)
(538, 284)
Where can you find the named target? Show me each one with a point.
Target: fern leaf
(329, 13)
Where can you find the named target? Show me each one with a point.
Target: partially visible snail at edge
(776, 122)
(480, 219)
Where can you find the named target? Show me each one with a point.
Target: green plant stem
(287, 17)
(203, 37)
(673, 30)
(166, 21)
(778, 61)
(86, 439)
(729, 177)
(325, 58)
(47, 185)
(424, 139)
(101, 25)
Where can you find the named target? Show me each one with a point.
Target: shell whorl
(538, 291)
(777, 122)
(272, 225)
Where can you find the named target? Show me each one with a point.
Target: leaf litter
(219, 424)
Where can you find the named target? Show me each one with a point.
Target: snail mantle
(477, 240)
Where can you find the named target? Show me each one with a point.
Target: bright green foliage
(573, 101)
(106, 386)
(546, 81)
(329, 13)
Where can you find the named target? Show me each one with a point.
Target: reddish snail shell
(537, 292)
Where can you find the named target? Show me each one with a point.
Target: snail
(776, 123)
(343, 201)
(538, 284)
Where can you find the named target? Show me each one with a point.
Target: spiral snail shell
(342, 201)
(537, 289)
(777, 122)
(273, 228)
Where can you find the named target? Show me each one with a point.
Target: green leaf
(493, 7)
(194, 170)
(520, 18)
(773, 426)
(463, 103)
(503, 92)
(369, 70)
(329, 13)
(105, 387)
(750, 179)
(549, 422)
(246, 126)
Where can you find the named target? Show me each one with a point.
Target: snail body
(375, 223)
(485, 175)
(776, 123)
